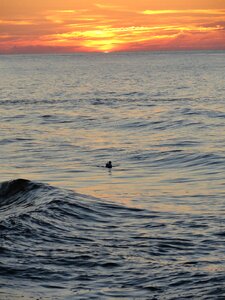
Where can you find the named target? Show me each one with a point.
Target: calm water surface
(158, 215)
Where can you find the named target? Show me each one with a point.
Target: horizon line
(112, 52)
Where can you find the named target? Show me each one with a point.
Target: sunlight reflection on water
(160, 119)
(163, 132)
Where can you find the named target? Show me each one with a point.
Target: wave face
(57, 244)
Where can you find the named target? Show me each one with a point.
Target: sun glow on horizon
(97, 27)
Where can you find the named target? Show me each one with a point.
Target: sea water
(152, 227)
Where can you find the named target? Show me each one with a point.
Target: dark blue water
(56, 244)
(150, 228)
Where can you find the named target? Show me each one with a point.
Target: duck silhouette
(108, 165)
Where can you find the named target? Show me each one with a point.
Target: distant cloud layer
(51, 26)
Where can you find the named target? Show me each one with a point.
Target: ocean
(152, 227)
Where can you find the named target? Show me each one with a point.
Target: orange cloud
(117, 26)
(185, 11)
(15, 22)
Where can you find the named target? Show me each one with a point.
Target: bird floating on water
(109, 165)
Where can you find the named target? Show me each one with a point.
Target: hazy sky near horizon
(45, 26)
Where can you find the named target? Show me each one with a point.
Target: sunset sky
(45, 26)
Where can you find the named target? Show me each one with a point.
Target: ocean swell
(58, 244)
